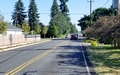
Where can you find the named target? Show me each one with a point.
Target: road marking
(17, 69)
(88, 71)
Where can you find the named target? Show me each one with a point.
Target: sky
(77, 8)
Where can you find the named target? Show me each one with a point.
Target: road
(56, 57)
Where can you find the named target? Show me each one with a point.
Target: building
(13, 30)
(116, 5)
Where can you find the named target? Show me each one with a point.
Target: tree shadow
(75, 58)
(29, 72)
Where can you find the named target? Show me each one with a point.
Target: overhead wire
(49, 13)
(105, 3)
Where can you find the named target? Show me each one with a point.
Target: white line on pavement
(88, 71)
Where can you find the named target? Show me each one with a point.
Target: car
(74, 37)
(67, 36)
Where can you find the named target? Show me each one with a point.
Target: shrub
(94, 43)
(32, 32)
(88, 41)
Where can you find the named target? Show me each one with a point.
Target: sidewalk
(14, 46)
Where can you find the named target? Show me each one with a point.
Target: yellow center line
(17, 69)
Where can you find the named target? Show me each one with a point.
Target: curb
(10, 47)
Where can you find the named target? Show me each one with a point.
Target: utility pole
(90, 11)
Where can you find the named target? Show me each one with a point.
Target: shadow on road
(75, 58)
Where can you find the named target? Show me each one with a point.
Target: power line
(49, 13)
(106, 3)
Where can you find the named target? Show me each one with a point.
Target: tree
(26, 27)
(52, 31)
(3, 25)
(19, 15)
(54, 9)
(64, 10)
(63, 6)
(44, 30)
(100, 12)
(73, 29)
(33, 16)
(38, 29)
(85, 21)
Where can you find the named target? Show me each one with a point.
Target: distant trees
(73, 28)
(19, 15)
(60, 19)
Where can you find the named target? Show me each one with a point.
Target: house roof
(13, 28)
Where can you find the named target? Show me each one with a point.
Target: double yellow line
(17, 69)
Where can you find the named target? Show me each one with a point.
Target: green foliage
(53, 31)
(32, 32)
(85, 21)
(19, 15)
(44, 30)
(3, 25)
(54, 9)
(37, 28)
(33, 16)
(61, 19)
(73, 29)
(100, 12)
(61, 36)
(87, 41)
(19, 26)
(63, 7)
(26, 27)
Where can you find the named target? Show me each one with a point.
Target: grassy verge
(105, 59)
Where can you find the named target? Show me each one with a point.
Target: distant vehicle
(74, 37)
(67, 36)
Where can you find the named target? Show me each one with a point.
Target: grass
(105, 59)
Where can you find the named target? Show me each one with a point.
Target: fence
(12, 39)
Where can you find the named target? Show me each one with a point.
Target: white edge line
(88, 71)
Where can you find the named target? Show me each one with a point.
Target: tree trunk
(115, 42)
(119, 42)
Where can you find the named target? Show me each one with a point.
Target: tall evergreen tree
(63, 6)
(52, 31)
(64, 10)
(54, 9)
(19, 15)
(33, 16)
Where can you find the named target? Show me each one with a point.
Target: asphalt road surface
(56, 57)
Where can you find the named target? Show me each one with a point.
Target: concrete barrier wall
(16, 39)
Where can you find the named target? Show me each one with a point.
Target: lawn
(105, 59)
